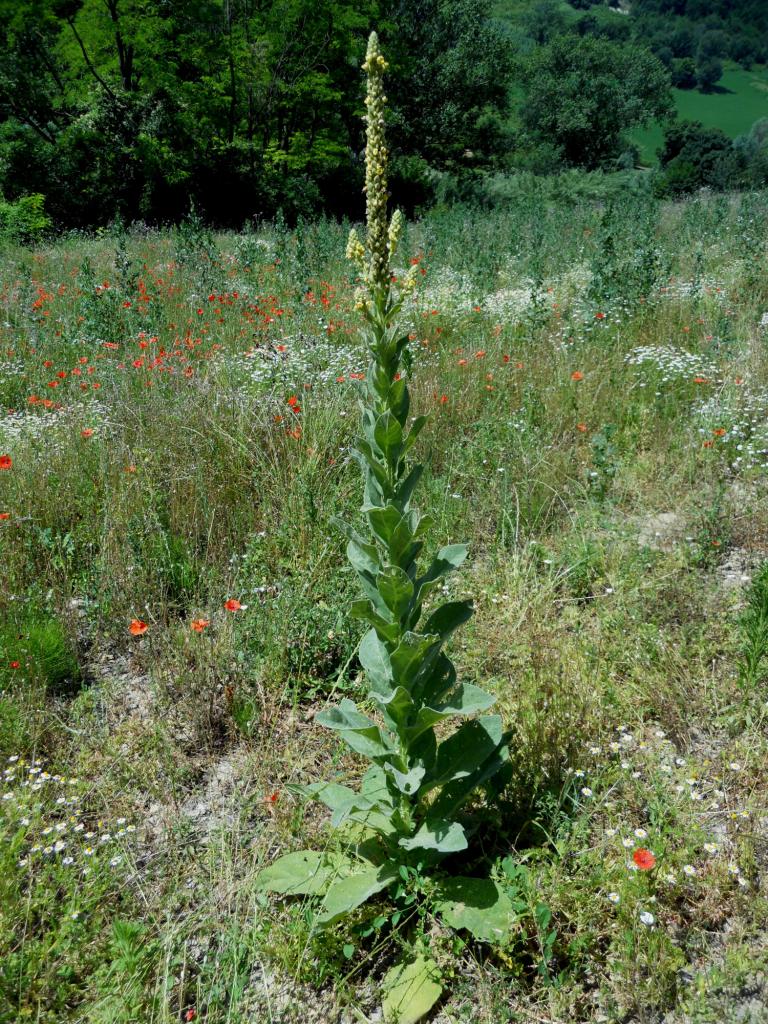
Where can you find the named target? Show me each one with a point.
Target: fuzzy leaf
(348, 893)
(359, 732)
(410, 991)
(406, 487)
(412, 655)
(375, 660)
(464, 752)
(454, 794)
(416, 428)
(365, 611)
(407, 782)
(396, 589)
(437, 834)
(466, 699)
(304, 873)
(477, 905)
(448, 617)
(389, 436)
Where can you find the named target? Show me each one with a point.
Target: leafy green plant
(754, 629)
(406, 816)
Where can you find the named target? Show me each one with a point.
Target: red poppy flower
(577, 375)
(198, 625)
(5, 461)
(644, 859)
(15, 664)
(137, 627)
(191, 1014)
(5, 515)
(86, 433)
(599, 316)
(233, 605)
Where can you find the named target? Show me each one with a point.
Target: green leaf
(413, 655)
(304, 873)
(407, 782)
(375, 661)
(348, 893)
(404, 490)
(416, 428)
(477, 905)
(365, 611)
(396, 589)
(389, 436)
(466, 699)
(463, 752)
(443, 836)
(448, 617)
(410, 991)
(384, 522)
(399, 400)
(359, 732)
(456, 793)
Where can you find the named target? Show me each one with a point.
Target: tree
(684, 73)
(449, 83)
(583, 94)
(709, 71)
(696, 157)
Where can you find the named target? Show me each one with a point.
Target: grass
(179, 407)
(740, 99)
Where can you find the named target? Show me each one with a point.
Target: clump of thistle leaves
(406, 816)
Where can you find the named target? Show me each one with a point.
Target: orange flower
(233, 605)
(480, 354)
(577, 375)
(137, 627)
(599, 316)
(581, 427)
(88, 432)
(198, 625)
(5, 515)
(700, 380)
(5, 461)
(644, 859)
(707, 444)
(719, 431)
(130, 469)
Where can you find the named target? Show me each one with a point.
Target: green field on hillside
(741, 99)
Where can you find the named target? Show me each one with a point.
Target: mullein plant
(409, 812)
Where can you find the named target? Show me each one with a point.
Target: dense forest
(140, 109)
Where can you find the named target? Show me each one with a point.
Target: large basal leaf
(348, 893)
(476, 905)
(304, 873)
(440, 835)
(409, 991)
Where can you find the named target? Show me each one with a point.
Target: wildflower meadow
(384, 627)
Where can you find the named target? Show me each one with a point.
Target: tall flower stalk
(407, 814)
